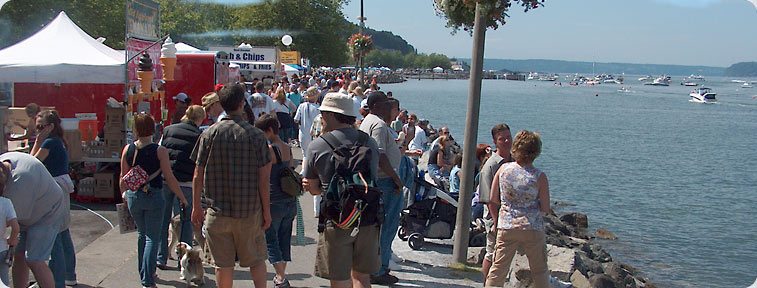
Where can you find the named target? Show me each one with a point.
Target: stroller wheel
(478, 240)
(402, 233)
(415, 241)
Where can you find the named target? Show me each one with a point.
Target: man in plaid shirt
(233, 169)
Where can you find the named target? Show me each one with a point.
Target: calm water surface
(674, 180)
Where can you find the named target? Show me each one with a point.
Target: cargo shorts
(339, 253)
(229, 238)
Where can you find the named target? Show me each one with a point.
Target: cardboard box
(114, 118)
(18, 115)
(86, 187)
(94, 149)
(114, 145)
(105, 185)
(73, 145)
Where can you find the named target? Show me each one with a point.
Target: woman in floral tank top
(520, 192)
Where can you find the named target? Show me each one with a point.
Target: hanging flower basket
(360, 45)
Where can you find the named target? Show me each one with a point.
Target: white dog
(191, 264)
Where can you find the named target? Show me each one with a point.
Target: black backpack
(351, 198)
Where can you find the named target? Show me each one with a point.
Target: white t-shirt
(356, 102)
(278, 107)
(7, 213)
(419, 140)
(260, 103)
(306, 112)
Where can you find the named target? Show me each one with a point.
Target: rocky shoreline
(574, 256)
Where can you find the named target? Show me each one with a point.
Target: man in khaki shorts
(233, 169)
(503, 140)
(345, 258)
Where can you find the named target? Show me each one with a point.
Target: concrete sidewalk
(111, 261)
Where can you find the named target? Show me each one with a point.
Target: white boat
(690, 83)
(747, 85)
(661, 81)
(624, 90)
(738, 81)
(645, 78)
(703, 95)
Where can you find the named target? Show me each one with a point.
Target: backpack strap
(132, 149)
(276, 152)
(330, 139)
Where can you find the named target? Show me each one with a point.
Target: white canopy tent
(61, 53)
(184, 47)
(438, 69)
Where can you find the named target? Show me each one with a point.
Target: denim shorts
(37, 241)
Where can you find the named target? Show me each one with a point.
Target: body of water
(674, 180)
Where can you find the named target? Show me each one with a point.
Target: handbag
(291, 181)
(137, 176)
(125, 221)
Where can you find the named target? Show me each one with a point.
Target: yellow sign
(290, 57)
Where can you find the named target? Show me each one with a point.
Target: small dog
(199, 238)
(191, 264)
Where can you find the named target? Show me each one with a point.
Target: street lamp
(362, 25)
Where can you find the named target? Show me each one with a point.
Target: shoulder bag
(137, 177)
(291, 181)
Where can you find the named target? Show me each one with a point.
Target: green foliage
(22, 18)
(317, 26)
(742, 69)
(395, 59)
(385, 39)
(460, 14)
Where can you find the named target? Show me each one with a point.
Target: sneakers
(384, 279)
(556, 283)
(71, 283)
(283, 284)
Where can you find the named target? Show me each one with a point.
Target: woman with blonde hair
(283, 106)
(438, 165)
(179, 139)
(520, 199)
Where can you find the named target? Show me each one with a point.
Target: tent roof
(183, 47)
(61, 53)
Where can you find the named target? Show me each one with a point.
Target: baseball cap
(182, 97)
(364, 104)
(338, 103)
(209, 99)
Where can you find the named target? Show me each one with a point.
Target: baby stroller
(433, 216)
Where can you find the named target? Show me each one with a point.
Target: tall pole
(362, 25)
(462, 224)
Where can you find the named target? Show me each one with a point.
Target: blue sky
(685, 32)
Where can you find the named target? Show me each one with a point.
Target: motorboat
(738, 81)
(747, 85)
(661, 81)
(645, 78)
(624, 90)
(703, 95)
(690, 83)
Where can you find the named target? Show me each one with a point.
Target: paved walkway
(110, 261)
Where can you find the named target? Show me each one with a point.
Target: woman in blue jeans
(146, 203)
(283, 206)
(50, 149)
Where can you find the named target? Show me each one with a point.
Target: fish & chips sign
(259, 59)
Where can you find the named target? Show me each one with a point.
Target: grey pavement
(110, 260)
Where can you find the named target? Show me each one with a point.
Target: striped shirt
(232, 151)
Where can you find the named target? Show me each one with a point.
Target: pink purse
(137, 176)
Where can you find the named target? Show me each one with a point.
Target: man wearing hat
(182, 103)
(212, 106)
(332, 86)
(341, 257)
(387, 179)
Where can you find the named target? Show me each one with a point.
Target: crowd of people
(225, 179)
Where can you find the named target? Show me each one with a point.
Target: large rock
(476, 255)
(579, 280)
(602, 233)
(576, 219)
(601, 281)
(587, 265)
(617, 273)
(561, 262)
